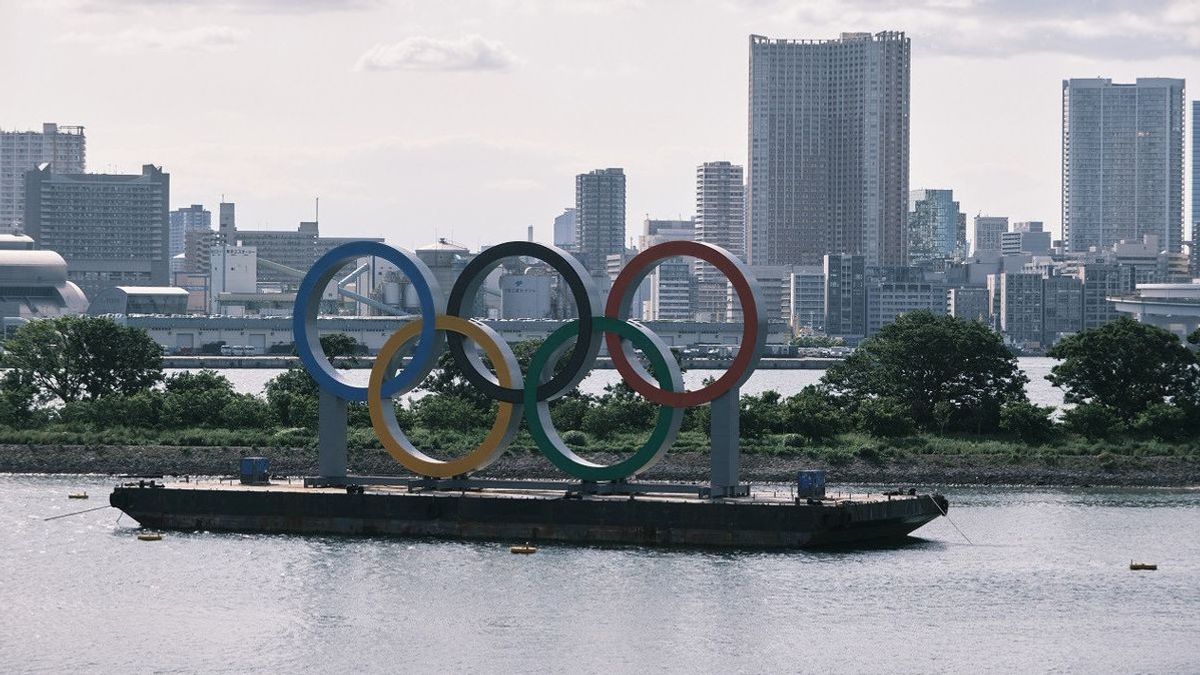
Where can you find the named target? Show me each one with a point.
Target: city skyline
(307, 115)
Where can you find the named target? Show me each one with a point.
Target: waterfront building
(888, 299)
(1122, 162)
(986, 231)
(969, 303)
(806, 298)
(33, 283)
(526, 296)
(1062, 312)
(1100, 282)
(184, 220)
(720, 220)
(64, 148)
(125, 300)
(1017, 304)
(846, 295)
(564, 230)
(828, 149)
(669, 291)
(1027, 237)
(772, 286)
(112, 229)
(937, 230)
(600, 218)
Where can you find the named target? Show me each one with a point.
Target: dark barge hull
(644, 520)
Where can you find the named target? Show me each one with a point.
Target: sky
(469, 119)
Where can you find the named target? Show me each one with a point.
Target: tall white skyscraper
(828, 149)
(1122, 162)
(64, 148)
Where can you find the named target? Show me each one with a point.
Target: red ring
(748, 351)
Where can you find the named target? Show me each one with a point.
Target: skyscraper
(937, 230)
(1122, 162)
(600, 218)
(64, 148)
(720, 220)
(828, 149)
(112, 229)
(184, 220)
(1195, 188)
(986, 233)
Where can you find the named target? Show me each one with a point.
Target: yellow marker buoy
(1142, 566)
(523, 550)
(77, 495)
(150, 536)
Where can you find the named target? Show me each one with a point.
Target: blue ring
(308, 302)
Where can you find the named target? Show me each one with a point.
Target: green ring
(546, 437)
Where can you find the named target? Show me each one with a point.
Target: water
(1045, 588)
(787, 382)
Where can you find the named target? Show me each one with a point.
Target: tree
(292, 398)
(811, 415)
(884, 418)
(75, 358)
(922, 360)
(196, 399)
(1093, 421)
(1031, 423)
(1125, 365)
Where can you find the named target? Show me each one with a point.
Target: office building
(985, 234)
(1028, 237)
(806, 297)
(184, 220)
(888, 299)
(1017, 303)
(600, 218)
(969, 303)
(669, 291)
(564, 230)
(937, 230)
(1100, 282)
(1122, 162)
(113, 230)
(720, 220)
(828, 149)
(845, 295)
(1062, 312)
(63, 148)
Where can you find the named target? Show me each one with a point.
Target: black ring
(583, 289)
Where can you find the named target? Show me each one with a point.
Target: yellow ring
(388, 430)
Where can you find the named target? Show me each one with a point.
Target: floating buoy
(77, 495)
(526, 549)
(150, 536)
(1142, 566)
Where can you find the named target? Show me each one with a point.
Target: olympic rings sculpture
(527, 397)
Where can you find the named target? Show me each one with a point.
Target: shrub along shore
(928, 400)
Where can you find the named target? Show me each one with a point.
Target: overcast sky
(469, 120)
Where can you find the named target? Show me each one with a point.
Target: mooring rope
(952, 523)
(106, 506)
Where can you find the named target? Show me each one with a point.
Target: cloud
(1145, 29)
(251, 6)
(470, 52)
(199, 38)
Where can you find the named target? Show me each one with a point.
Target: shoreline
(1070, 471)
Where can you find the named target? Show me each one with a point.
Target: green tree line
(922, 375)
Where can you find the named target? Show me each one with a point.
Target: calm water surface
(787, 382)
(1045, 588)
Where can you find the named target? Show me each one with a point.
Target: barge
(512, 512)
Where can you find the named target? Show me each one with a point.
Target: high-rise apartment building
(828, 149)
(937, 230)
(184, 220)
(720, 220)
(600, 218)
(63, 148)
(1195, 189)
(669, 291)
(985, 235)
(113, 230)
(1122, 162)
